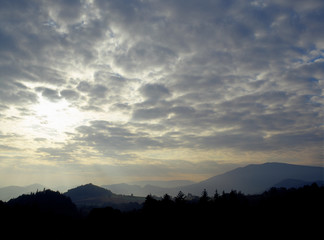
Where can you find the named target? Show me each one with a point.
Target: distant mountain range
(256, 178)
(251, 179)
(7, 193)
(164, 184)
(129, 189)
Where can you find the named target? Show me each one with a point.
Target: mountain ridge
(249, 179)
(9, 192)
(255, 178)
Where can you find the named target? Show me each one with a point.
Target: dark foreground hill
(277, 212)
(46, 201)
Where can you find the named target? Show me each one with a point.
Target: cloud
(154, 92)
(68, 11)
(174, 80)
(50, 94)
(8, 148)
(16, 93)
(70, 94)
(149, 113)
(114, 139)
(145, 56)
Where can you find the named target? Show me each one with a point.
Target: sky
(120, 91)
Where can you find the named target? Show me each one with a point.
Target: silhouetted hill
(46, 201)
(90, 196)
(88, 193)
(256, 178)
(7, 193)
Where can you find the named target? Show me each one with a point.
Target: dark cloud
(8, 148)
(40, 139)
(50, 94)
(16, 93)
(111, 138)
(69, 10)
(145, 56)
(154, 92)
(149, 113)
(56, 153)
(70, 94)
(84, 86)
(98, 91)
(297, 139)
(45, 74)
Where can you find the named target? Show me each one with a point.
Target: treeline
(277, 211)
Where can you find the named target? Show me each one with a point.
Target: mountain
(251, 179)
(7, 193)
(164, 184)
(90, 195)
(127, 189)
(144, 188)
(256, 178)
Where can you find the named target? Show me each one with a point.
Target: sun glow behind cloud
(53, 119)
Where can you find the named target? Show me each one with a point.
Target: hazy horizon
(124, 91)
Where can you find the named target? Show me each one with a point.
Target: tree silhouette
(166, 198)
(216, 195)
(167, 201)
(204, 199)
(180, 198)
(150, 203)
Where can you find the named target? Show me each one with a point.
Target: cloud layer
(150, 84)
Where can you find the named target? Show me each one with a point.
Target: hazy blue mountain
(251, 179)
(127, 189)
(144, 188)
(7, 193)
(256, 178)
(164, 184)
